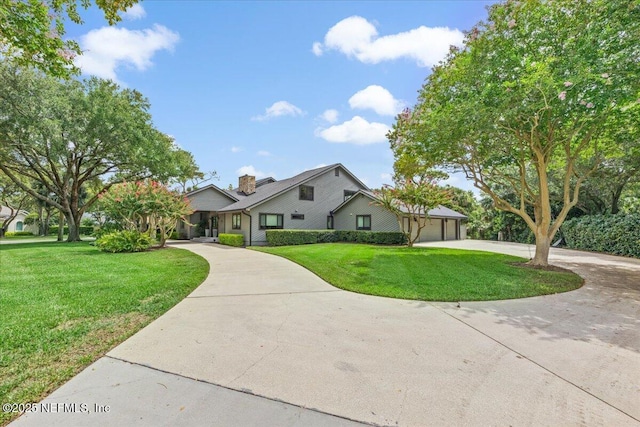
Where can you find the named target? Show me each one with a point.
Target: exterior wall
(328, 193)
(225, 225)
(209, 200)
(381, 219)
(463, 231)
(13, 224)
(205, 203)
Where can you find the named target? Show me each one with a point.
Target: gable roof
(5, 212)
(437, 212)
(269, 190)
(213, 187)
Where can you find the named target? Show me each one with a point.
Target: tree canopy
(528, 99)
(69, 135)
(147, 207)
(31, 31)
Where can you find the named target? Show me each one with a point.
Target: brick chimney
(247, 184)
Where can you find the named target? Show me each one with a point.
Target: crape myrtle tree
(31, 31)
(528, 98)
(414, 193)
(146, 207)
(67, 135)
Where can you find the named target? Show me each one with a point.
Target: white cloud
(358, 38)
(330, 116)
(378, 99)
(317, 49)
(250, 170)
(235, 149)
(107, 48)
(134, 12)
(264, 153)
(355, 131)
(278, 109)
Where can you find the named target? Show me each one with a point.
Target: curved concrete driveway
(262, 326)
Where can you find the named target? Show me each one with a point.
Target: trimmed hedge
(613, 234)
(304, 237)
(84, 230)
(231, 239)
(18, 233)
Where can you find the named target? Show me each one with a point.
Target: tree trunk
(47, 218)
(543, 244)
(74, 229)
(615, 199)
(41, 231)
(60, 227)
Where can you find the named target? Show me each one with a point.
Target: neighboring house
(316, 199)
(17, 224)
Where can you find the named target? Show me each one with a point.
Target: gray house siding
(384, 220)
(328, 192)
(209, 200)
(381, 219)
(226, 225)
(205, 203)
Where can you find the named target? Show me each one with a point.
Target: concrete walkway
(264, 342)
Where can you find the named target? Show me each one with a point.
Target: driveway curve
(269, 329)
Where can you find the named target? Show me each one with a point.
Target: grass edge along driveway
(429, 274)
(64, 305)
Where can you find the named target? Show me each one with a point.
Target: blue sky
(275, 88)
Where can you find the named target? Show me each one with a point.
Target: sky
(273, 88)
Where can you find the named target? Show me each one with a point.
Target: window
(236, 221)
(337, 172)
(214, 222)
(19, 226)
(348, 194)
(297, 216)
(306, 192)
(363, 222)
(271, 221)
(329, 222)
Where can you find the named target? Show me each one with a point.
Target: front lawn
(63, 305)
(431, 274)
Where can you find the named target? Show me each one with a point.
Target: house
(329, 197)
(360, 212)
(17, 224)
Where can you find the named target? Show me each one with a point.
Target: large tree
(31, 31)
(67, 135)
(527, 99)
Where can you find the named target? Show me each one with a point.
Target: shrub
(124, 241)
(106, 228)
(613, 234)
(231, 239)
(302, 237)
(18, 233)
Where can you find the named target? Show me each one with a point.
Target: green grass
(430, 274)
(63, 305)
